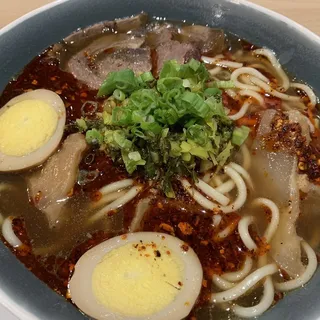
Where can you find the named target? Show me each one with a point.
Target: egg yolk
(138, 279)
(26, 126)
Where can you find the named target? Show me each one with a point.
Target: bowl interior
(297, 49)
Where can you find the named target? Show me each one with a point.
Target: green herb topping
(165, 127)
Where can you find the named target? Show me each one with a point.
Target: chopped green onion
(147, 77)
(240, 135)
(225, 84)
(209, 92)
(166, 126)
(119, 95)
(81, 124)
(123, 80)
(93, 136)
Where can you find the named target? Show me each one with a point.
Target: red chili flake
(185, 228)
(168, 253)
(34, 82)
(180, 283)
(96, 196)
(205, 283)
(38, 197)
(160, 205)
(157, 253)
(70, 193)
(185, 247)
(68, 295)
(83, 95)
(111, 213)
(166, 227)
(71, 266)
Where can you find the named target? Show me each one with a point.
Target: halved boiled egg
(31, 128)
(143, 275)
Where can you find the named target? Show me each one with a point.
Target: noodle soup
(173, 147)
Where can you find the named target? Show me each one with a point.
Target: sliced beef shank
(50, 187)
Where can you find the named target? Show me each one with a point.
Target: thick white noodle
(203, 201)
(231, 93)
(216, 180)
(226, 232)
(272, 91)
(242, 191)
(197, 196)
(268, 292)
(222, 283)
(253, 94)
(107, 199)
(116, 186)
(212, 193)
(258, 66)
(275, 217)
(246, 157)
(229, 64)
(140, 211)
(308, 91)
(264, 304)
(307, 274)
(246, 284)
(245, 78)
(247, 71)
(216, 220)
(8, 233)
(277, 66)
(244, 173)
(207, 177)
(243, 228)
(215, 71)
(226, 186)
(240, 274)
(132, 193)
(210, 60)
(217, 60)
(242, 112)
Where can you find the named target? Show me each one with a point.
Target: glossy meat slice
(84, 36)
(92, 64)
(158, 35)
(132, 23)
(208, 40)
(174, 50)
(49, 188)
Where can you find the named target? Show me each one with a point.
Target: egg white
(37, 157)
(81, 290)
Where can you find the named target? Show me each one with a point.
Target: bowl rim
(5, 299)
(295, 25)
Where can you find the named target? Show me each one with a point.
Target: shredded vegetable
(164, 127)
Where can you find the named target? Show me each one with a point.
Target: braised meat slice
(50, 187)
